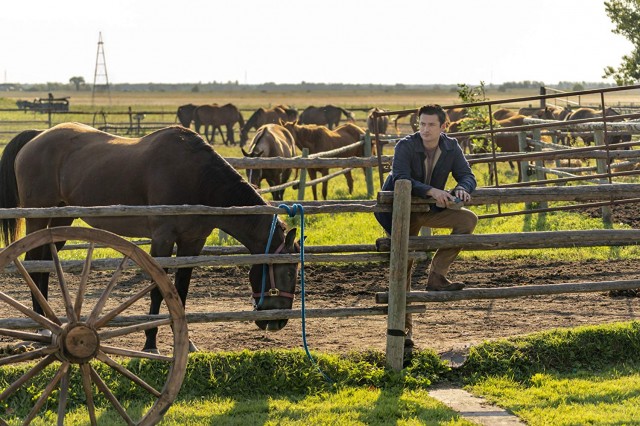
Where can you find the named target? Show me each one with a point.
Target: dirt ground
(446, 327)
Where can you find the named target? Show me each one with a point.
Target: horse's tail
(9, 228)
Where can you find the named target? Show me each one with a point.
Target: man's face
(430, 128)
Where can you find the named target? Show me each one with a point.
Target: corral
(359, 330)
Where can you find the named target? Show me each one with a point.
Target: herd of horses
(176, 166)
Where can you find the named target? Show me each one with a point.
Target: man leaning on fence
(427, 158)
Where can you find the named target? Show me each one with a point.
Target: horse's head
(280, 284)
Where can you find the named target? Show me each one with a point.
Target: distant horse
(382, 121)
(413, 120)
(185, 116)
(216, 116)
(259, 118)
(292, 113)
(585, 113)
(75, 165)
(502, 113)
(456, 113)
(328, 115)
(271, 140)
(320, 139)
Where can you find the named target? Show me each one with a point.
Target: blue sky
(330, 41)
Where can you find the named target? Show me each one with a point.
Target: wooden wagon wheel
(80, 337)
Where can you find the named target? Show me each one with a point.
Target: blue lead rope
(292, 211)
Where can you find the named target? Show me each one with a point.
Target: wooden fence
(401, 247)
(395, 250)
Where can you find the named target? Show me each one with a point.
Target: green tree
(625, 14)
(78, 81)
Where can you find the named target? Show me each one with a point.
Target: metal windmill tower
(100, 76)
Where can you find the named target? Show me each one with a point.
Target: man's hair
(433, 109)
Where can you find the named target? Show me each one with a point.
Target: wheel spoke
(133, 354)
(46, 392)
(86, 269)
(112, 314)
(28, 356)
(37, 294)
(125, 372)
(46, 323)
(24, 335)
(62, 399)
(64, 290)
(97, 309)
(110, 396)
(122, 331)
(27, 376)
(88, 391)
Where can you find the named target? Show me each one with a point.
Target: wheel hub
(79, 343)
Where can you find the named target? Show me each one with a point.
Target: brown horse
(328, 115)
(456, 113)
(585, 113)
(75, 165)
(320, 139)
(216, 116)
(271, 140)
(502, 113)
(185, 114)
(382, 121)
(261, 117)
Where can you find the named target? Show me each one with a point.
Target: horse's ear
(290, 239)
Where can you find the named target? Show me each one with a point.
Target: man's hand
(462, 194)
(443, 198)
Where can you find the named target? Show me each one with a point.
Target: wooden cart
(84, 353)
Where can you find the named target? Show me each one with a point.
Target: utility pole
(100, 76)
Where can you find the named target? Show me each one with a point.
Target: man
(427, 158)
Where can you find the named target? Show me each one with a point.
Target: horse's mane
(220, 184)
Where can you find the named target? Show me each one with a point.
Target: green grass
(584, 375)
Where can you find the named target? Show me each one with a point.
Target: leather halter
(273, 290)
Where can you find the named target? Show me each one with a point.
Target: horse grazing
(382, 121)
(261, 117)
(320, 139)
(328, 115)
(184, 114)
(73, 164)
(271, 140)
(217, 116)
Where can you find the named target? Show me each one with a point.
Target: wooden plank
(535, 194)
(206, 317)
(515, 291)
(521, 240)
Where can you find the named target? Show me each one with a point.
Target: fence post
(303, 176)
(524, 164)
(398, 273)
(368, 171)
(543, 101)
(601, 165)
(540, 174)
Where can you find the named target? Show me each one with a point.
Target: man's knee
(467, 222)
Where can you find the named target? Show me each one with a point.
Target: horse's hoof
(192, 347)
(154, 351)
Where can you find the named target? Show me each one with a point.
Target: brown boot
(438, 282)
